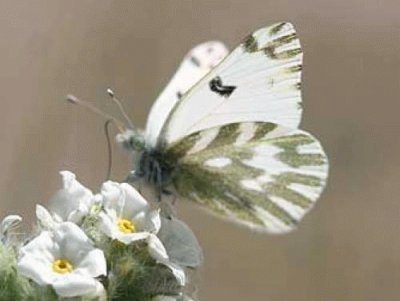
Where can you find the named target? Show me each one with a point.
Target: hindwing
(258, 174)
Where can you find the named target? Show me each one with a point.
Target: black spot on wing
(218, 87)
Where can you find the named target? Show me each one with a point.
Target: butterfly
(224, 133)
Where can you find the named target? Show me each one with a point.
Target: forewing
(258, 81)
(261, 175)
(197, 63)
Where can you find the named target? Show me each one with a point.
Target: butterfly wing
(258, 81)
(262, 175)
(197, 63)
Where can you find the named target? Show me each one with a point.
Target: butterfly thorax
(154, 168)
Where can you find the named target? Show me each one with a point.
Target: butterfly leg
(157, 178)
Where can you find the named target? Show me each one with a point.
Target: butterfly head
(131, 140)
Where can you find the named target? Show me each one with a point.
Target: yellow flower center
(126, 226)
(62, 266)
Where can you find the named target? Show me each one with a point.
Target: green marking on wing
(275, 29)
(300, 105)
(227, 135)
(280, 188)
(209, 188)
(270, 51)
(220, 188)
(178, 150)
(295, 68)
(285, 39)
(291, 177)
(250, 44)
(270, 48)
(290, 154)
(263, 128)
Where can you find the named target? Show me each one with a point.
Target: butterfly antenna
(120, 107)
(109, 147)
(75, 100)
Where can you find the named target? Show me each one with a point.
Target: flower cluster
(107, 246)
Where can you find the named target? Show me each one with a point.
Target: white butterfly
(224, 135)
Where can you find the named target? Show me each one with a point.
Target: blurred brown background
(348, 247)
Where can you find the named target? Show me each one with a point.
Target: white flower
(71, 203)
(127, 216)
(164, 298)
(9, 223)
(65, 259)
(171, 298)
(158, 252)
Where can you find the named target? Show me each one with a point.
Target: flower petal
(156, 249)
(37, 257)
(124, 199)
(72, 285)
(135, 202)
(42, 245)
(171, 298)
(36, 268)
(178, 272)
(68, 242)
(132, 237)
(164, 298)
(8, 223)
(93, 264)
(72, 198)
(108, 225)
(158, 252)
(44, 217)
(73, 242)
(149, 221)
(112, 196)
